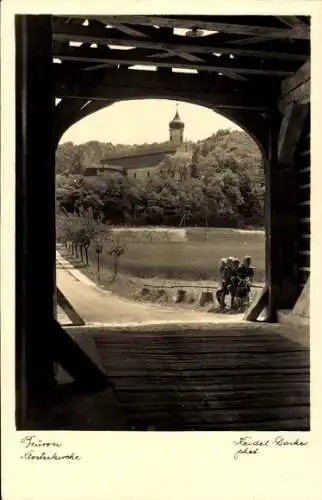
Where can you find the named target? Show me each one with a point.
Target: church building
(141, 164)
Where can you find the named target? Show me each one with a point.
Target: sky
(145, 120)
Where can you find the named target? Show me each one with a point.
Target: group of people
(236, 279)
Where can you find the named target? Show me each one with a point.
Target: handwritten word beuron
(34, 453)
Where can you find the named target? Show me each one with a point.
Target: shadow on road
(73, 262)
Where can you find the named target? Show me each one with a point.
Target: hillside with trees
(223, 184)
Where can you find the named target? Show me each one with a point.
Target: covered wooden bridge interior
(254, 70)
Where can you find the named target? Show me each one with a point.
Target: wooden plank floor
(236, 377)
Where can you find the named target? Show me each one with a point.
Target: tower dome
(176, 122)
(176, 127)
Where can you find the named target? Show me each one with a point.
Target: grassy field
(189, 260)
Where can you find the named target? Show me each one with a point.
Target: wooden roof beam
(142, 58)
(224, 101)
(163, 77)
(302, 75)
(128, 30)
(170, 53)
(295, 22)
(235, 76)
(186, 23)
(96, 67)
(99, 34)
(119, 87)
(257, 39)
(201, 67)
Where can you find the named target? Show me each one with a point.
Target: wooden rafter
(97, 33)
(129, 31)
(96, 67)
(256, 39)
(188, 23)
(302, 75)
(234, 75)
(141, 57)
(294, 22)
(170, 53)
(175, 64)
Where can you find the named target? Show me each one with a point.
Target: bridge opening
(151, 195)
(255, 70)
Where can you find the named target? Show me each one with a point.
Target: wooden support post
(39, 339)
(35, 216)
(78, 364)
(296, 88)
(281, 229)
(68, 309)
(258, 305)
(282, 192)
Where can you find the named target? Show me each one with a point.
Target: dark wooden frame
(250, 91)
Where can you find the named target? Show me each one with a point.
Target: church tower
(176, 128)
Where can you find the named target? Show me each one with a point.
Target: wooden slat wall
(303, 164)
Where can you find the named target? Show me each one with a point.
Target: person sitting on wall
(230, 264)
(234, 284)
(246, 270)
(224, 270)
(246, 275)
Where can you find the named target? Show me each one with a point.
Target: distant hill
(221, 184)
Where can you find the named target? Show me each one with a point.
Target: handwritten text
(37, 449)
(246, 445)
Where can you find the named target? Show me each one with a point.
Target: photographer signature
(248, 446)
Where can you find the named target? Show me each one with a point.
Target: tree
(99, 240)
(116, 249)
(78, 231)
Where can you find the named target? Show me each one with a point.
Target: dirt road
(96, 305)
